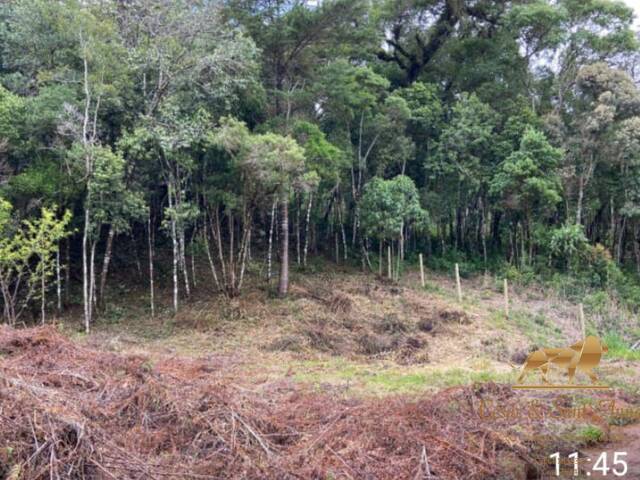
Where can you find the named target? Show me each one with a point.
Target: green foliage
(322, 157)
(27, 252)
(388, 205)
(425, 108)
(11, 109)
(464, 148)
(569, 244)
(527, 181)
(590, 435)
(514, 123)
(277, 163)
(619, 348)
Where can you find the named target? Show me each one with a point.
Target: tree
(236, 204)
(388, 206)
(463, 162)
(20, 244)
(417, 31)
(294, 35)
(604, 97)
(528, 183)
(277, 163)
(11, 111)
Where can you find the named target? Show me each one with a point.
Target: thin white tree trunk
(174, 244)
(193, 261)
(298, 205)
(270, 250)
(43, 300)
(218, 237)
(92, 277)
(58, 280)
(67, 271)
(244, 255)
(183, 261)
(283, 286)
(151, 285)
(105, 263)
(306, 231)
(401, 243)
(85, 273)
(342, 232)
(211, 264)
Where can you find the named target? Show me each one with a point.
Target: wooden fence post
(582, 322)
(458, 286)
(421, 271)
(506, 298)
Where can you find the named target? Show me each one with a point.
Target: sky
(636, 5)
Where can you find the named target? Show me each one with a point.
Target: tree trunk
(43, 300)
(92, 275)
(231, 268)
(193, 263)
(183, 260)
(85, 273)
(270, 251)
(67, 271)
(306, 231)
(636, 247)
(298, 206)
(218, 237)
(244, 250)
(151, 285)
(344, 236)
(580, 200)
(401, 243)
(283, 286)
(210, 257)
(58, 280)
(105, 264)
(174, 250)
(620, 242)
(483, 236)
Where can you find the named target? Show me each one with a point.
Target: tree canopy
(213, 131)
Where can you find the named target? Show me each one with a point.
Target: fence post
(421, 271)
(458, 286)
(506, 298)
(389, 261)
(582, 322)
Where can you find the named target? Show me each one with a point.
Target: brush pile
(67, 411)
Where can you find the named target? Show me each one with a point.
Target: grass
(536, 328)
(589, 435)
(382, 378)
(619, 348)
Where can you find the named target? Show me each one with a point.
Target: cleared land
(366, 379)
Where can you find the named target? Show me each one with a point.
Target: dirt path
(627, 439)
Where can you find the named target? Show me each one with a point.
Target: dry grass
(68, 411)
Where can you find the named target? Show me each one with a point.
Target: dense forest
(143, 138)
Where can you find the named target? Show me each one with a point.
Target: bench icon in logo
(582, 356)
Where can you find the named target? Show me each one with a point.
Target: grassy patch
(619, 348)
(589, 435)
(536, 328)
(380, 379)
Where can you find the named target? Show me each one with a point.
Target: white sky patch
(636, 6)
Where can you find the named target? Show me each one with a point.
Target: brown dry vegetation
(67, 411)
(362, 379)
